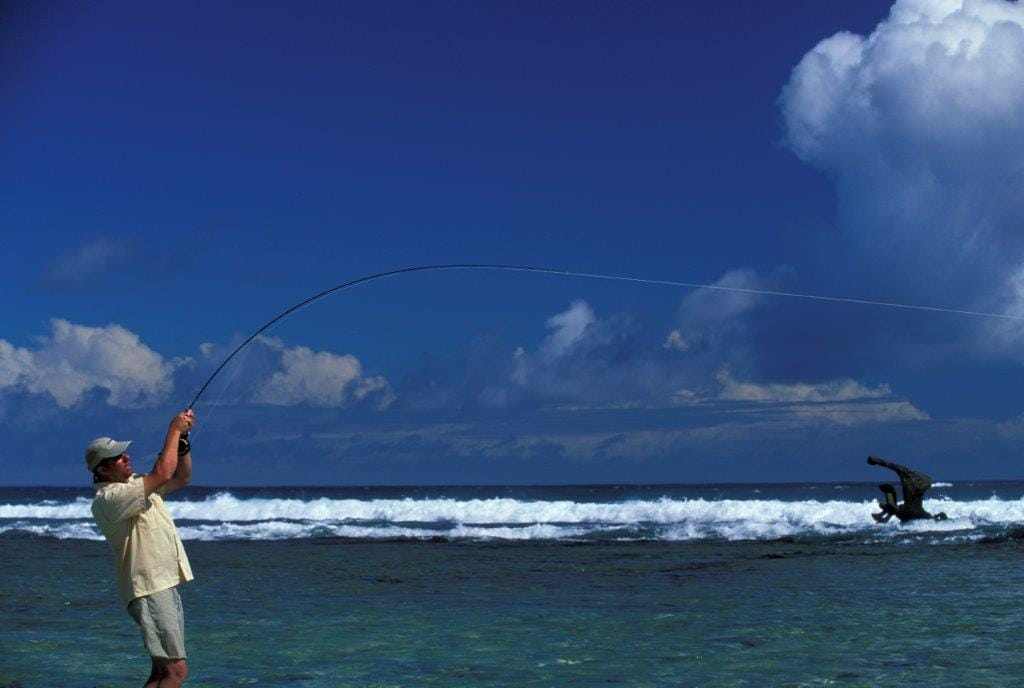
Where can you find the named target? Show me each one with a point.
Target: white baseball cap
(103, 448)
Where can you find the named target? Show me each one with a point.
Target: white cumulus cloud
(320, 378)
(921, 126)
(936, 77)
(584, 359)
(76, 359)
(567, 328)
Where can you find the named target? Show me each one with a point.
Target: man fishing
(151, 561)
(914, 486)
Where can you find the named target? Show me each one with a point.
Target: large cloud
(320, 378)
(270, 372)
(921, 125)
(77, 359)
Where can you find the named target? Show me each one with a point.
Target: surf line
(591, 275)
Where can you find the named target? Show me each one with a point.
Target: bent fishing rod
(570, 273)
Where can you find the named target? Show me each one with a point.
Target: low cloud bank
(74, 360)
(589, 362)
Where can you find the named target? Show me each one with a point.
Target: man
(151, 561)
(914, 486)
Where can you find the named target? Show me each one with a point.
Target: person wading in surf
(129, 509)
(914, 486)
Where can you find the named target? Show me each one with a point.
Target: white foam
(225, 516)
(288, 530)
(283, 530)
(271, 530)
(49, 509)
(506, 511)
(77, 530)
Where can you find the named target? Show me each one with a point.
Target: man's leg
(167, 673)
(162, 622)
(173, 673)
(154, 675)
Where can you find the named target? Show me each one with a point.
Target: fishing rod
(570, 273)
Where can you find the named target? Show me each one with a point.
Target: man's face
(116, 470)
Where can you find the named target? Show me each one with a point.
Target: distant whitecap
(225, 516)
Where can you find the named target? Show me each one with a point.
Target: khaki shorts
(162, 622)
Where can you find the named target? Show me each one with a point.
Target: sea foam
(224, 516)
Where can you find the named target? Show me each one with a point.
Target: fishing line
(569, 273)
(215, 404)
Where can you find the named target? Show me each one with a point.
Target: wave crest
(224, 516)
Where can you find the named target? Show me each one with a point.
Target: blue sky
(173, 176)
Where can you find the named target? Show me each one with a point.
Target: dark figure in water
(914, 486)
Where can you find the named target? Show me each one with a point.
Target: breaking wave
(225, 516)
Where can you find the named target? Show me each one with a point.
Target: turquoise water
(737, 585)
(336, 613)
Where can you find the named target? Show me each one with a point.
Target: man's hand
(183, 422)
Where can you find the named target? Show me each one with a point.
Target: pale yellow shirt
(149, 553)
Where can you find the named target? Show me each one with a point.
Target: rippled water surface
(848, 605)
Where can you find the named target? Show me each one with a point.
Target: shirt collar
(103, 485)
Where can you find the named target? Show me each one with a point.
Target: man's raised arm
(166, 465)
(183, 473)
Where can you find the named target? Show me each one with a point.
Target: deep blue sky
(173, 176)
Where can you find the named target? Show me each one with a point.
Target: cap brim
(117, 449)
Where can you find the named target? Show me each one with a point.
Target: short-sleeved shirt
(149, 553)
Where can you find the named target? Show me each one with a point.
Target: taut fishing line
(569, 273)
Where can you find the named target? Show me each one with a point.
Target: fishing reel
(184, 446)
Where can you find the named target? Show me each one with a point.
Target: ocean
(625, 585)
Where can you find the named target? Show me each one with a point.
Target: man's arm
(166, 465)
(182, 474)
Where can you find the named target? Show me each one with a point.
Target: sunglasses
(112, 459)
